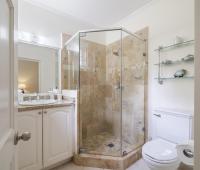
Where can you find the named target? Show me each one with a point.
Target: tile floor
(100, 144)
(139, 165)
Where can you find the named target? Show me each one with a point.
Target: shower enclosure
(108, 67)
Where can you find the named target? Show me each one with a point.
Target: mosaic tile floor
(106, 144)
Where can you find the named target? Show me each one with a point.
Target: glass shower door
(100, 92)
(133, 90)
(70, 64)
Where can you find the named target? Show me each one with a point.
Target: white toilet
(170, 128)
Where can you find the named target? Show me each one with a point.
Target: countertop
(62, 103)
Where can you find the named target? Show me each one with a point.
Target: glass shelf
(162, 48)
(174, 62)
(173, 78)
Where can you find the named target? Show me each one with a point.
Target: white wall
(197, 85)
(47, 60)
(46, 24)
(166, 19)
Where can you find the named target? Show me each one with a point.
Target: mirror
(28, 76)
(38, 68)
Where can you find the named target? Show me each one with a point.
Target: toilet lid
(160, 150)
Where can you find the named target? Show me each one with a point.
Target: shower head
(116, 52)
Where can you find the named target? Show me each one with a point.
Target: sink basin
(37, 102)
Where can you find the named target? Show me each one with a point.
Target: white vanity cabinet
(51, 137)
(57, 135)
(29, 153)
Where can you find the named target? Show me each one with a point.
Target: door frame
(197, 90)
(12, 63)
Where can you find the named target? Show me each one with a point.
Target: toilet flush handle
(157, 115)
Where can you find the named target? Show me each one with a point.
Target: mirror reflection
(28, 76)
(37, 69)
(37, 74)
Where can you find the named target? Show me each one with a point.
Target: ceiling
(95, 12)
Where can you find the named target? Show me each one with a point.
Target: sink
(37, 102)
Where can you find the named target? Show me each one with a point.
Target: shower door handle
(118, 86)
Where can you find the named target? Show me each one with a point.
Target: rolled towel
(186, 153)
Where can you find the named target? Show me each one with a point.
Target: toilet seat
(160, 155)
(147, 157)
(160, 151)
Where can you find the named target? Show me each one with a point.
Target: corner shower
(109, 69)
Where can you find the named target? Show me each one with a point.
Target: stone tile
(139, 165)
(100, 103)
(91, 168)
(69, 166)
(184, 167)
(99, 144)
(72, 166)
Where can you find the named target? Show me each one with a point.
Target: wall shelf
(173, 78)
(161, 63)
(174, 62)
(185, 43)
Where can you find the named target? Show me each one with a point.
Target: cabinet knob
(45, 112)
(39, 113)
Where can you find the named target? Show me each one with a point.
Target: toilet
(170, 128)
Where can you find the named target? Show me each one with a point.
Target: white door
(7, 149)
(197, 91)
(30, 152)
(57, 135)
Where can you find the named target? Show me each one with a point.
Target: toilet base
(158, 166)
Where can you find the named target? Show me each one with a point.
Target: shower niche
(109, 70)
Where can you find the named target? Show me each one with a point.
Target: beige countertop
(62, 103)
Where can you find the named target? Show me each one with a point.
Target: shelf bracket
(160, 81)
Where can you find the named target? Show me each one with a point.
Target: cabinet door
(30, 152)
(57, 135)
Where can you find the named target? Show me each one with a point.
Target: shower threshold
(108, 162)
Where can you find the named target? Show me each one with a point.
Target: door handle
(117, 86)
(25, 137)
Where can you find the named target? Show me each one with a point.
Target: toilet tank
(173, 126)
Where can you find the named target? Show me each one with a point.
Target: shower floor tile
(106, 144)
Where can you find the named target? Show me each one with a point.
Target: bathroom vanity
(51, 128)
